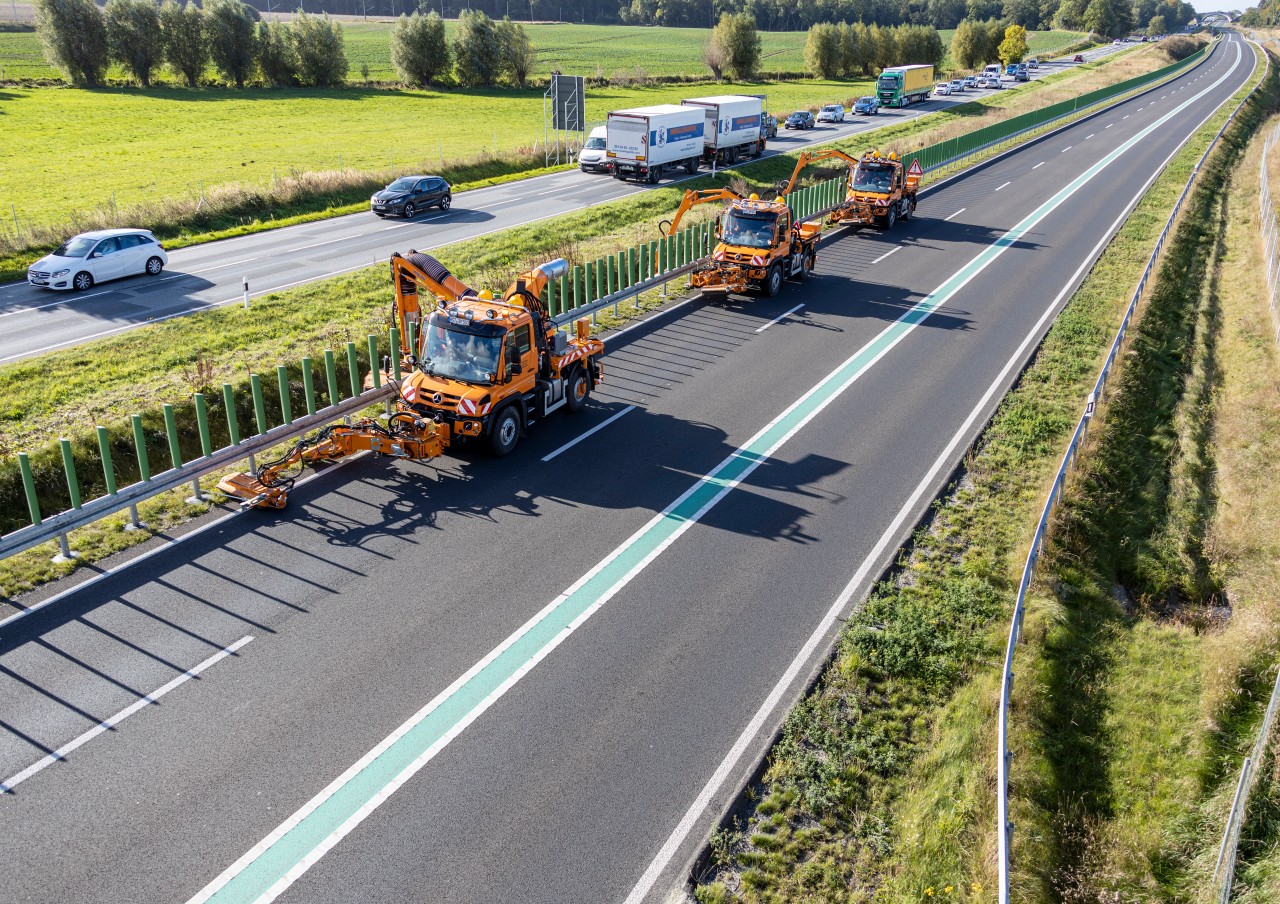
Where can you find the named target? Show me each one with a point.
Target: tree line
(83, 40)
(834, 50)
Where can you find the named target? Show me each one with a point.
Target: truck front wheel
(891, 217)
(576, 390)
(773, 281)
(505, 431)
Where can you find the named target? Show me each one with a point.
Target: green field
(582, 49)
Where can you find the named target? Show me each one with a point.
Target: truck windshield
(749, 231)
(872, 177)
(460, 351)
(887, 83)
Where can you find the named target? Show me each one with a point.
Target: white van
(992, 71)
(592, 157)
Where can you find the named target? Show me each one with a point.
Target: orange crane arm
(808, 158)
(691, 200)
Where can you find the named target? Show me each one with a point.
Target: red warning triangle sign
(914, 169)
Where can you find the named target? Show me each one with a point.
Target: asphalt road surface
(539, 679)
(33, 320)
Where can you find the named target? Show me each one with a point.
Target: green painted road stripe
(276, 862)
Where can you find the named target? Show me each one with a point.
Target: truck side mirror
(513, 362)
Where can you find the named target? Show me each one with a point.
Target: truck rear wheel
(505, 431)
(773, 281)
(577, 389)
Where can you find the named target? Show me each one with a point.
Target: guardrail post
(331, 375)
(29, 487)
(412, 332)
(394, 336)
(562, 293)
(140, 445)
(550, 303)
(590, 294)
(353, 368)
(229, 402)
(282, 381)
(309, 386)
(613, 274)
(109, 475)
(663, 266)
(373, 362)
(73, 490)
(259, 403)
(576, 279)
(202, 424)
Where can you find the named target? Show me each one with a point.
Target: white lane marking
(898, 248)
(596, 429)
(247, 260)
(1067, 148)
(1126, 116)
(1038, 165)
(793, 310)
(1006, 185)
(552, 192)
(956, 214)
(61, 753)
(1090, 135)
(1110, 124)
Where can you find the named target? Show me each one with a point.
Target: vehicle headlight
(60, 274)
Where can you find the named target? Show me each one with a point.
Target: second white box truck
(732, 129)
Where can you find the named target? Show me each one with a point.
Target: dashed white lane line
(61, 753)
(896, 249)
(1110, 124)
(781, 317)
(54, 304)
(596, 429)
(1126, 116)
(1067, 148)
(956, 214)
(1038, 165)
(1090, 135)
(1006, 185)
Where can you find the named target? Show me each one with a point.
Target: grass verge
(68, 392)
(881, 785)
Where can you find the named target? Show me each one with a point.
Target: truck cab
(880, 192)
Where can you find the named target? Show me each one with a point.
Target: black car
(410, 194)
(801, 119)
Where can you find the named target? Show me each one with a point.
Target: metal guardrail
(583, 292)
(1028, 571)
(1270, 230)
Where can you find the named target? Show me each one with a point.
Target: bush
(736, 38)
(419, 49)
(477, 53)
(276, 57)
(317, 41)
(185, 49)
(74, 36)
(231, 32)
(1179, 47)
(134, 37)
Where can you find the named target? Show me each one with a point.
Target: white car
(94, 257)
(942, 88)
(831, 113)
(593, 157)
(957, 86)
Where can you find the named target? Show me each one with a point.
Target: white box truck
(645, 142)
(732, 129)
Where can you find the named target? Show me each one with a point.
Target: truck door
(518, 348)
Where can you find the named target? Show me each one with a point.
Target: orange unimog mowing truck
(758, 244)
(879, 190)
(479, 368)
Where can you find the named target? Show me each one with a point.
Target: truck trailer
(732, 128)
(645, 142)
(900, 86)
